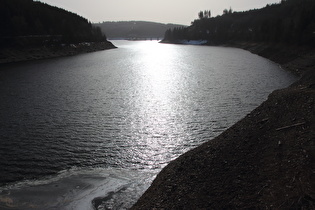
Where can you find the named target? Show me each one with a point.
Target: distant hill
(135, 29)
(28, 22)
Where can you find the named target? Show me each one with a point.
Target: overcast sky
(164, 11)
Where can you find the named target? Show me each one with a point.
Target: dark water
(128, 110)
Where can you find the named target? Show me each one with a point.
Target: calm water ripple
(136, 107)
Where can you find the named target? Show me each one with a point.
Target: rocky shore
(12, 55)
(265, 161)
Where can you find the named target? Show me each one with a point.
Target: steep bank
(10, 55)
(263, 161)
(294, 58)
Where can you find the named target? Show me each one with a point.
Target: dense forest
(135, 29)
(29, 23)
(289, 22)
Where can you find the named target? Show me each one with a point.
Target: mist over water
(134, 109)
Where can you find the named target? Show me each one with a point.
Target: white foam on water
(76, 189)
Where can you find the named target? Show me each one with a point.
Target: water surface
(127, 110)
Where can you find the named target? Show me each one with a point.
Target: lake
(102, 125)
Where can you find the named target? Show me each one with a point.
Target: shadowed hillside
(289, 22)
(34, 30)
(41, 22)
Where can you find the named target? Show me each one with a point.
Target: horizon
(98, 11)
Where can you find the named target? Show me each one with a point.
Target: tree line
(290, 22)
(28, 22)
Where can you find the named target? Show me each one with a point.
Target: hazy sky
(164, 11)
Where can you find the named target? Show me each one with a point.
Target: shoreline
(22, 54)
(295, 59)
(262, 161)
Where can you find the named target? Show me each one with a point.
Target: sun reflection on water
(166, 99)
(158, 84)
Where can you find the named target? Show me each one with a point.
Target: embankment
(264, 161)
(18, 54)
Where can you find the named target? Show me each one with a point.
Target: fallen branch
(290, 126)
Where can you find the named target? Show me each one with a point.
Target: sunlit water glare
(126, 111)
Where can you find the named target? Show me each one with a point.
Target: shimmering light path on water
(133, 108)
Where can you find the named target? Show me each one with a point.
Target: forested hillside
(29, 23)
(135, 29)
(289, 22)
